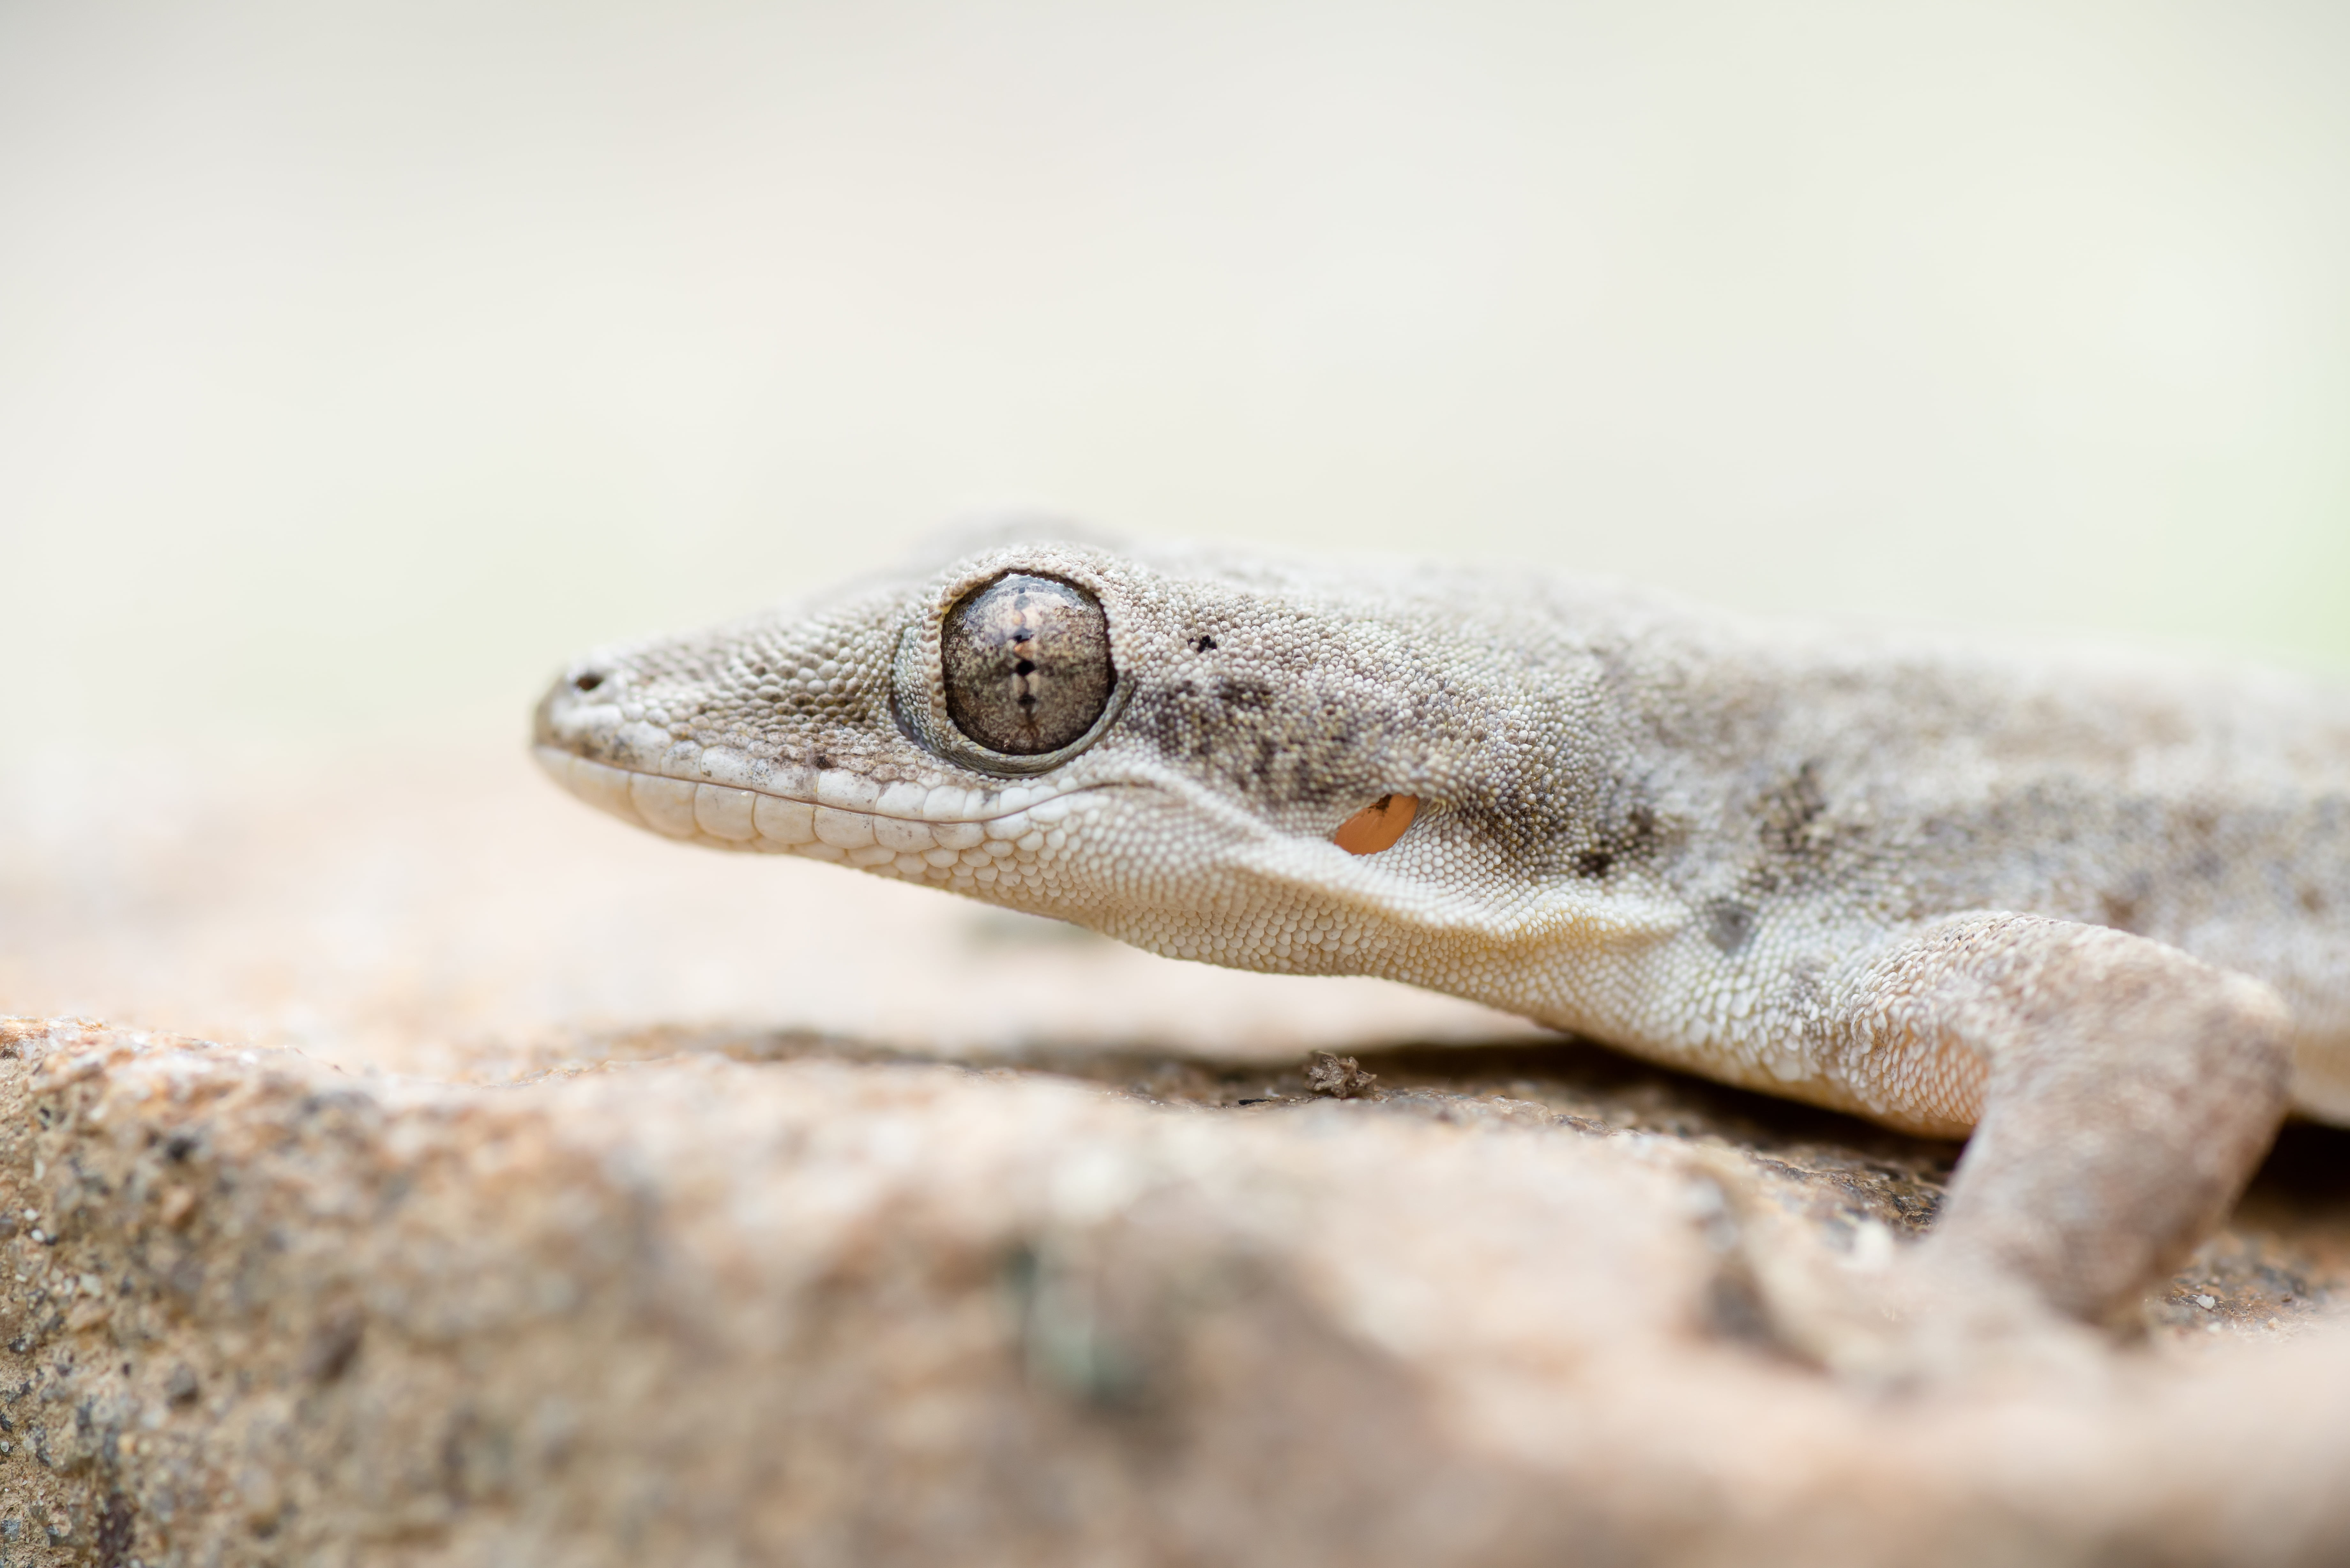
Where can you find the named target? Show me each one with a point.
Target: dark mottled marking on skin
(1729, 924)
(1798, 843)
(1252, 695)
(1791, 812)
(1636, 834)
(1805, 990)
(1263, 739)
(1205, 645)
(1631, 836)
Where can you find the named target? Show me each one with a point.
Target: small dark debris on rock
(1340, 1078)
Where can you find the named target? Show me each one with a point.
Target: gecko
(2088, 910)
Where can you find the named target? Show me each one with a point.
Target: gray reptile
(2093, 911)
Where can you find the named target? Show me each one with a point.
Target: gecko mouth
(828, 814)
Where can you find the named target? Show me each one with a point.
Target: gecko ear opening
(1377, 825)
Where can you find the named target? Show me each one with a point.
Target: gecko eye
(1027, 664)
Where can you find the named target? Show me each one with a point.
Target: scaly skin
(1830, 863)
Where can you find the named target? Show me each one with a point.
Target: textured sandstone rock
(707, 1310)
(628, 1205)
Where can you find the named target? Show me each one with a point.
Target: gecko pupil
(1027, 664)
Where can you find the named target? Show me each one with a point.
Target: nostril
(587, 682)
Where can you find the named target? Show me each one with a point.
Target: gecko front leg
(2121, 1094)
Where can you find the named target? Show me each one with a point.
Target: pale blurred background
(359, 362)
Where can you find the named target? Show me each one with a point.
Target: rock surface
(711, 1308)
(510, 1279)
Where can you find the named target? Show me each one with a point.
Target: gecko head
(1164, 744)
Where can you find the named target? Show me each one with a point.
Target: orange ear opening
(1376, 826)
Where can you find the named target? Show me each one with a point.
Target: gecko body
(2092, 910)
